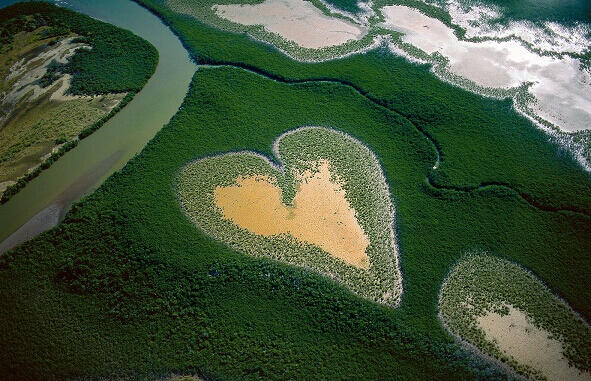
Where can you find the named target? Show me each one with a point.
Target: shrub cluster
(482, 283)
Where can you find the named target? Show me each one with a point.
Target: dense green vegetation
(128, 257)
(128, 285)
(481, 141)
(502, 146)
(119, 61)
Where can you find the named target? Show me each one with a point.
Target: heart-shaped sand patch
(326, 208)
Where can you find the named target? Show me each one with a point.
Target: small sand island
(320, 215)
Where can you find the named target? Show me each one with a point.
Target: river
(43, 203)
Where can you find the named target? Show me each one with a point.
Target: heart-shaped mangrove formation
(326, 208)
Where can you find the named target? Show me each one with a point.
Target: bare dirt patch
(320, 215)
(517, 337)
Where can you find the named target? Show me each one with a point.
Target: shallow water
(564, 11)
(83, 169)
(294, 20)
(561, 88)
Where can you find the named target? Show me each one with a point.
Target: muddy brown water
(46, 199)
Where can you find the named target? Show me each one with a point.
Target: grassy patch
(480, 283)
(33, 132)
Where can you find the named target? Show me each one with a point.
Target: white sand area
(517, 337)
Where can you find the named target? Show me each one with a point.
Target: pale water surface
(294, 20)
(560, 86)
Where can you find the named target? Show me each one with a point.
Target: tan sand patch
(5, 184)
(294, 20)
(320, 215)
(529, 345)
(60, 93)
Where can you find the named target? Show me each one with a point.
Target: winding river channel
(43, 202)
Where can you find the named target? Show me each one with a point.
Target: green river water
(45, 200)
